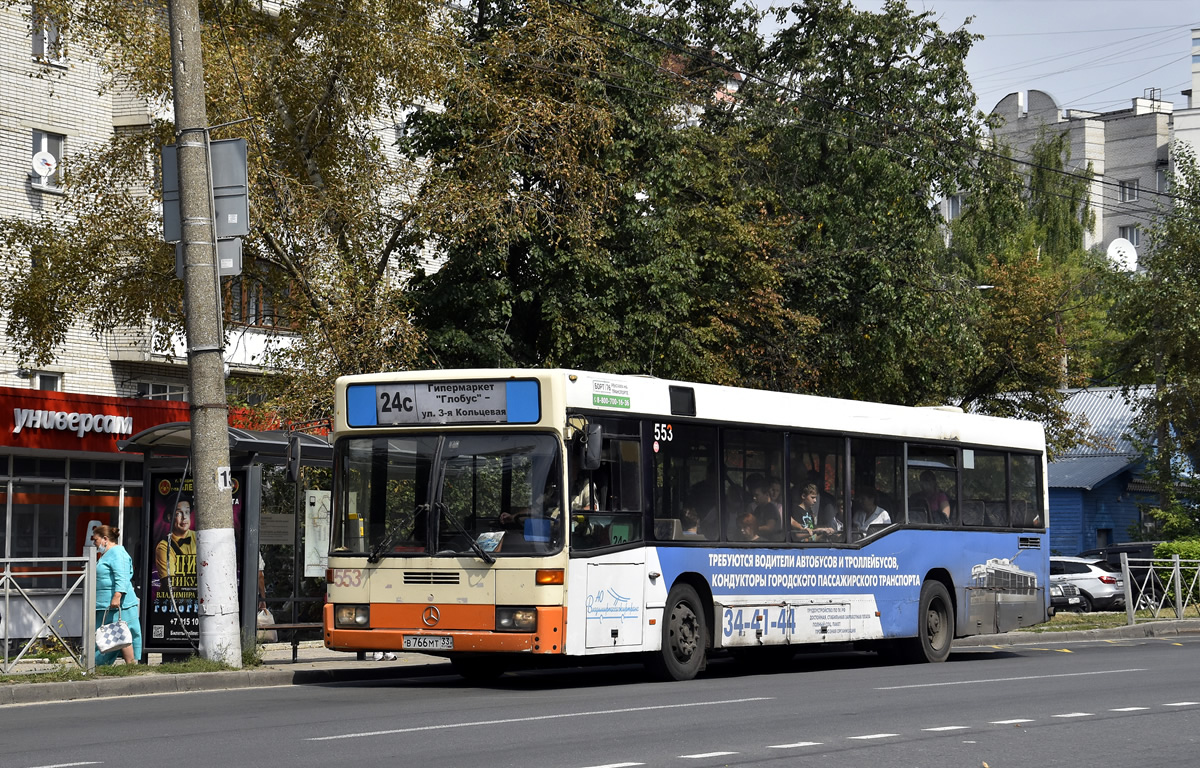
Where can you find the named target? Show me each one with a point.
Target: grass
(67, 672)
(1065, 621)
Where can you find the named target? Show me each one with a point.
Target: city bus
(506, 516)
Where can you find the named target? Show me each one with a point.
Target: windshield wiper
(483, 555)
(389, 537)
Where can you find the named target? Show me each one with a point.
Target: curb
(268, 676)
(1169, 628)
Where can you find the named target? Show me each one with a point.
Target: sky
(1093, 55)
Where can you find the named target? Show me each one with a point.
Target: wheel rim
(684, 632)
(937, 624)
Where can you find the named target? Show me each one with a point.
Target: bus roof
(625, 395)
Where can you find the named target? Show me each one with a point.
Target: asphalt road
(1124, 702)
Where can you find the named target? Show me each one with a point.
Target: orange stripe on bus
(548, 638)
(452, 616)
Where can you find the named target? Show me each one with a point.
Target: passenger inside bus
(868, 515)
(747, 529)
(689, 522)
(768, 512)
(930, 502)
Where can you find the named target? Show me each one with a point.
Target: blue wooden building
(1096, 490)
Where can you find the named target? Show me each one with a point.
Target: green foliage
(1157, 308)
(606, 188)
(1041, 313)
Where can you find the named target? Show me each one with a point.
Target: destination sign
(448, 402)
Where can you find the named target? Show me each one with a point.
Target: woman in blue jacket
(114, 592)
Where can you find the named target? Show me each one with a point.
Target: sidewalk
(315, 664)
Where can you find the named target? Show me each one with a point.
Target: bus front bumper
(548, 637)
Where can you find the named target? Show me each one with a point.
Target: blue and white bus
(489, 515)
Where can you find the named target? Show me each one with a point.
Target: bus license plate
(428, 643)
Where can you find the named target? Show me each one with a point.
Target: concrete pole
(216, 552)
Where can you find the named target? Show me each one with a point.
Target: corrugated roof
(1086, 472)
(1109, 416)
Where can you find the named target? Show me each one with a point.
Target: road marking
(948, 728)
(1010, 722)
(69, 765)
(1181, 704)
(797, 744)
(1128, 709)
(876, 736)
(536, 718)
(1074, 714)
(616, 765)
(1008, 679)
(706, 754)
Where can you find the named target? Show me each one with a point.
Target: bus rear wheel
(935, 625)
(684, 636)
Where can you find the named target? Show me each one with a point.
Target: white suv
(1100, 585)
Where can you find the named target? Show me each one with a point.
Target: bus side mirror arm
(591, 447)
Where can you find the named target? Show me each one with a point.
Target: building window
(1162, 180)
(1127, 190)
(953, 207)
(259, 303)
(150, 390)
(1133, 234)
(47, 382)
(47, 46)
(48, 149)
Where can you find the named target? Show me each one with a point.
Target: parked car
(1100, 585)
(1065, 596)
(1146, 586)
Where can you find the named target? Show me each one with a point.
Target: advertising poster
(172, 615)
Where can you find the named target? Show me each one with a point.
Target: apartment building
(1129, 150)
(61, 471)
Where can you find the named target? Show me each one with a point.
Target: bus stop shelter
(170, 611)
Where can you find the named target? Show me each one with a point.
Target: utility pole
(216, 550)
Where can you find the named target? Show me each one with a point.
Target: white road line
(1128, 709)
(1181, 704)
(1018, 721)
(948, 728)
(1074, 714)
(1007, 679)
(796, 745)
(69, 765)
(706, 754)
(616, 765)
(535, 718)
(875, 736)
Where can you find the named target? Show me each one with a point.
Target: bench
(295, 629)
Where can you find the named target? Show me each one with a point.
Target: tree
(1041, 303)
(866, 117)
(1162, 346)
(332, 226)
(588, 199)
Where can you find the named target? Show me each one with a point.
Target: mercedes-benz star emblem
(431, 616)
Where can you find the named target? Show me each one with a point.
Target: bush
(1187, 549)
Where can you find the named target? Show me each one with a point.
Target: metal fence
(1162, 587)
(80, 573)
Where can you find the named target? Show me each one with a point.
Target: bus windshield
(486, 495)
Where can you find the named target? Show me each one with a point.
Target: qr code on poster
(157, 632)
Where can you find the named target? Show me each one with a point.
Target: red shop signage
(69, 421)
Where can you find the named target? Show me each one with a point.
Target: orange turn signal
(549, 576)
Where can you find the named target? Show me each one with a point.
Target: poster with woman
(173, 616)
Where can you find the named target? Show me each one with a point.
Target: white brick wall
(68, 100)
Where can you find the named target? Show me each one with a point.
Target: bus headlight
(515, 619)
(351, 616)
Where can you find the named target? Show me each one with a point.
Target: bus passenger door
(615, 604)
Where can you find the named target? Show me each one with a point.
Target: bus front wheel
(683, 636)
(935, 625)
